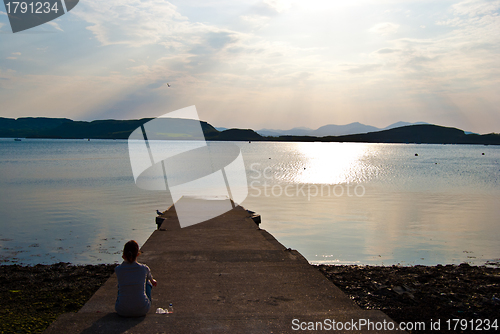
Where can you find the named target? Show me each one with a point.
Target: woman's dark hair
(131, 250)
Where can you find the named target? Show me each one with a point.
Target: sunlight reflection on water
(333, 163)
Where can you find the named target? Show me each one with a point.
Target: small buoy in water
(435, 163)
(482, 154)
(416, 154)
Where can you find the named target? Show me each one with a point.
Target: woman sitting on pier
(134, 283)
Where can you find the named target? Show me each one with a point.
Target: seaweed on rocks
(32, 297)
(422, 293)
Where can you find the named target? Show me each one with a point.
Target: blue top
(132, 300)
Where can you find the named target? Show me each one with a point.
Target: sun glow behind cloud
(286, 63)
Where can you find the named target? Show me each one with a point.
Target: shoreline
(422, 293)
(32, 297)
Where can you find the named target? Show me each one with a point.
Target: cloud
(385, 28)
(256, 21)
(261, 13)
(55, 25)
(266, 8)
(140, 24)
(56, 95)
(136, 23)
(14, 55)
(5, 77)
(361, 68)
(386, 50)
(475, 8)
(158, 84)
(220, 39)
(461, 60)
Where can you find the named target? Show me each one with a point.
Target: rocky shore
(425, 293)
(32, 297)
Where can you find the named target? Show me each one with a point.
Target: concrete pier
(225, 275)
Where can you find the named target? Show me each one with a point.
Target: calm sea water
(340, 203)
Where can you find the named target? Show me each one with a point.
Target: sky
(273, 64)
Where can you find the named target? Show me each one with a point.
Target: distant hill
(331, 130)
(300, 131)
(423, 133)
(339, 130)
(400, 124)
(237, 135)
(63, 128)
(32, 127)
(29, 126)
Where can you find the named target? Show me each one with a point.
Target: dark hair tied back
(131, 250)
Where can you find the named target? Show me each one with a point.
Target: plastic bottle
(170, 308)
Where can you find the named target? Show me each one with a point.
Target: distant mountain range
(401, 132)
(417, 134)
(331, 130)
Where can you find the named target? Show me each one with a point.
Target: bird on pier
(159, 213)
